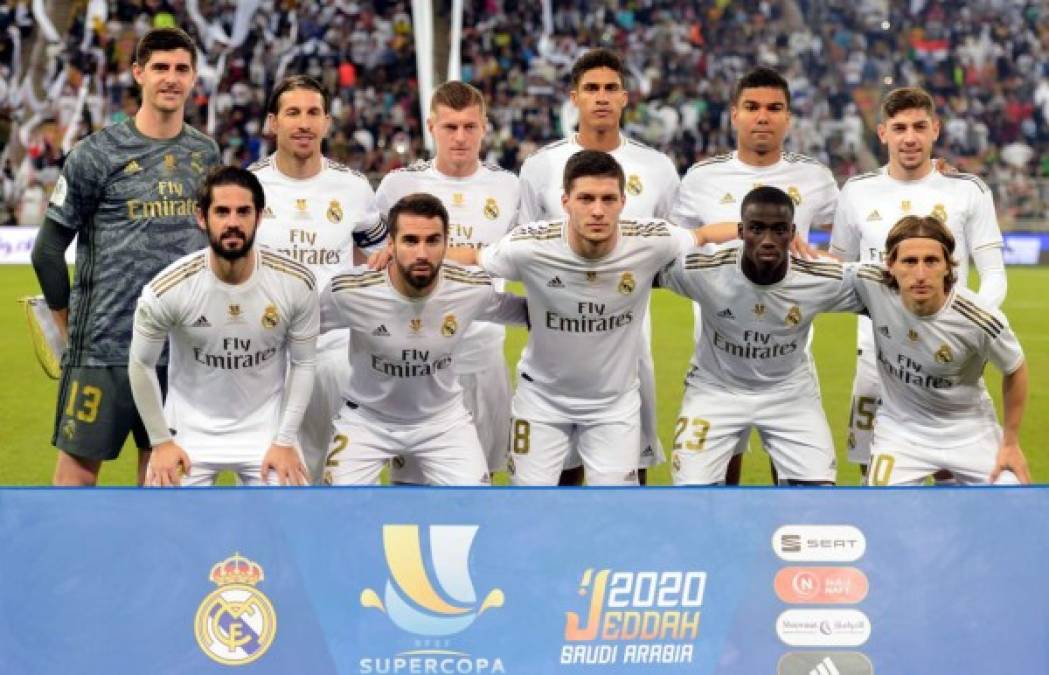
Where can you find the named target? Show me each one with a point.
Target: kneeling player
(405, 321)
(236, 316)
(750, 369)
(933, 337)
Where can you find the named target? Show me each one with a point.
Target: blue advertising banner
(659, 580)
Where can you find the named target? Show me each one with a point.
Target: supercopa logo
(429, 593)
(635, 617)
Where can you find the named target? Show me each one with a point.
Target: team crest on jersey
(169, 162)
(334, 213)
(794, 194)
(794, 316)
(728, 199)
(450, 326)
(939, 213)
(270, 318)
(905, 206)
(235, 624)
(196, 161)
(415, 325)
(944, 354)
(132, 167)
(759, 310)
(591, 277)
(675, 461)
(458, 199)
(69, 429)
(627, 284)
(633, 185)
(912, 335)
(491, 208)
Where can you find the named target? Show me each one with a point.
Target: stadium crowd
(986, 62)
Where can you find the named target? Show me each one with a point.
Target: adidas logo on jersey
(132, 167)
(202, 322)
(728, 199)
(381, 331)
(874, 215)
(555, 283)
(648, 452)
(726, 314)
(884, 330)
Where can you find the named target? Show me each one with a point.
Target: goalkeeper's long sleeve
(49, 262)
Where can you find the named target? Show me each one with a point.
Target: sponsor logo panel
(825, 663)
(819, 543)
(821, 585)
(823, 627)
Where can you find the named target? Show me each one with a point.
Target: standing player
(241, 321)
(405, 326)
(712, 191)
(599, 92)
(750, 369)
(577, 384)
(317, 210)
(481, 200)
(909, 185)
(128, 191)
(933, 338)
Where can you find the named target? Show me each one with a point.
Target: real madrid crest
(794, 194)
(491, 208)
(939, 213)
(270, 318)
(334, 212)
(793, 316)
(944, 354)
(633, 185)
(235, 624)
(450, 325)
(169, 162)
(196, 161)
(627, 283)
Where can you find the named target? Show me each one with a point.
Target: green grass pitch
(27, 398)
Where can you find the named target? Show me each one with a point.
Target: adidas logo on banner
(381, 331)
(202, 322)
(555, 283)
(825, 667)
(726, 314)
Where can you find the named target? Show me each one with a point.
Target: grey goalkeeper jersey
(131, 200)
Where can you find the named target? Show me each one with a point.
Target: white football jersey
(481, 208)
(585, 335)
(401, 348)
(651, 180)
(931, 367)
(754, 336)
(713, 190)
(871, 203)
(228, 349)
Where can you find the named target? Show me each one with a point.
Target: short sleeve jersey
(401, 348)
(132, 200)
(713, 190)
(228, 349)
(931, 367)
(871, 203)
(482, 208)
(585, 335)
(754, 335)
(651, 180)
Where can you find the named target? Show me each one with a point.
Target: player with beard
(406, 322)
(127, 191)
(242, 322)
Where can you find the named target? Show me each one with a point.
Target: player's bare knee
(73, 471)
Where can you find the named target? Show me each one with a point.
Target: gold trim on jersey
(630, 228)
(165, 283)
(820, 269)
(700, 261)
(343, 282)
(289, 266)
(547, 231)
(463, 276)
(872, 273)
(985, 320)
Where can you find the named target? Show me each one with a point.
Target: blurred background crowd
(985, 61)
